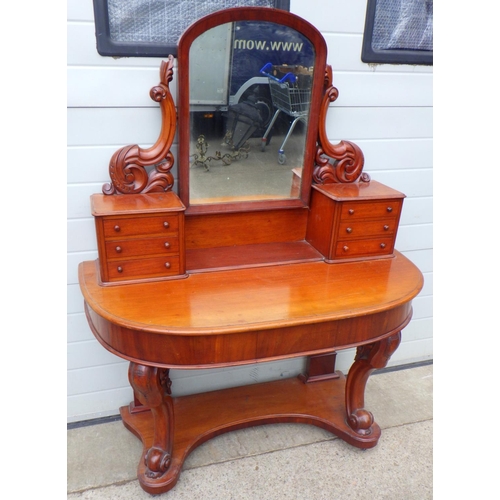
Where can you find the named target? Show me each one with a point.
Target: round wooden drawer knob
(166, 225)
(349, 230)
(167, 244)
(382, 245)
(389, 209)
(117, 229)
(118, 249)
(167, 265)
(351, 211)
(345, 248)
(119, 269)
(386, 228)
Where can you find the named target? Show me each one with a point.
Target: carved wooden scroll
(127, 167)
(152, 386)
(348, 157)
(368, 358)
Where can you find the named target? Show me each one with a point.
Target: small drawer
(140, 226)
(143, 268)
(361, 248)
(366, 229)
(125, 249)
(370, 210)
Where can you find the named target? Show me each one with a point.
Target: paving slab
(400, 467)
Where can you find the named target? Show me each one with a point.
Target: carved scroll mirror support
(127, 167)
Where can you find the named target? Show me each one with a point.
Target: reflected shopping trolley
(290, 94)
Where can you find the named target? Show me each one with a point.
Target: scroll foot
(368, 358)
(152, 387)
(157, 462)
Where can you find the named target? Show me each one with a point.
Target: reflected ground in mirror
(227, 170)
(255, 175)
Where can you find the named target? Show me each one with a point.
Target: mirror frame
(248, 14)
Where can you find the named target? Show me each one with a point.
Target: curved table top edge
(366, 295)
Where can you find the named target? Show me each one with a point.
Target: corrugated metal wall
(385, 109)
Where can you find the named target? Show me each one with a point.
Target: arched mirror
(250, 89)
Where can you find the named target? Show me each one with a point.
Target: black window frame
(108, 47)
(390, 56)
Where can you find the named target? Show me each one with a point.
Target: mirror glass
(249, 95)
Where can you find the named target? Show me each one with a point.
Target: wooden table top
(246, 300)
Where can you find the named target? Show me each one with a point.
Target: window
(151, 28)
(398, 32)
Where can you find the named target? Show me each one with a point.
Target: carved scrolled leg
(368, 358)
(152, 387)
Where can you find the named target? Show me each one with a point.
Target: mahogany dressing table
(204, 280)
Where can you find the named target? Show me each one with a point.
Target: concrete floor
(279, 461)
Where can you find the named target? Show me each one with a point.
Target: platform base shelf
(199, 417)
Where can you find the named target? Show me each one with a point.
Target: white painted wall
(385, 109)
